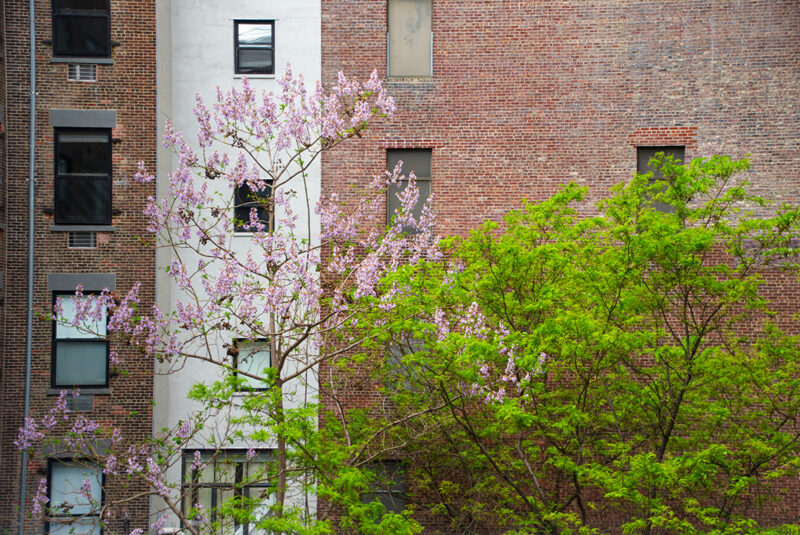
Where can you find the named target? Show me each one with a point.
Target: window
(75, 493)
(409, 38)
(245, 199)
(83, 176)
(252, 357)
(388, 487)
(80, 358)
(212, 479)
(81, 28)
(417, 160)
(643, 157)
(254, 49)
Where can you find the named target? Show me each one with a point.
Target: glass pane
(68, 314)
(417, 160)
(393, 202)
(84, 153)
(66, 480)
(253, 358)
(643, 157)
(410, 25)
(255, 33)
(82, 201)
(81, 363)
(226, 471)
(82, 526)
(255, 61)
(245, 199)
(76, 35)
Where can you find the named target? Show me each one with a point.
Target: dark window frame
(237, 46)
(236, 343)
(190, 487)
(59, 219)
(50, 462)
(241, 210)
(54, 349)
(64, 13)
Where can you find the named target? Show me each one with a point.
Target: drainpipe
(28, 341)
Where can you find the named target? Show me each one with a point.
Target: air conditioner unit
(82, 72)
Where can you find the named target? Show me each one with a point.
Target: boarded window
(410, 37)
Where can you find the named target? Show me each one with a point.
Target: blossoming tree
(257, 319)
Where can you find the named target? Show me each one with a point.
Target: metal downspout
(31, 191)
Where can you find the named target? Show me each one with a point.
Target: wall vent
(82, 240)
(82, 72)
(82, 403)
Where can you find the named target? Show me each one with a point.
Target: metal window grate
(82, 72)
(82, 240)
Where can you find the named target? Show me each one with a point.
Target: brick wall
(128, 86)
(527, 96)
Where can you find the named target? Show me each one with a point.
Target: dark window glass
(643, 157)
(388, 487)
(219, 477)
(254, 51)
(83, 177)
(80, 354)
(417, 160)
(245, 200)
(81, 28)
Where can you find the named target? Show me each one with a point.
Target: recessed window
(254, 49)
(418, 161)
(388, 486)
(80, 352)
(252, 356)
(81, 28)
(76, 493)
(245, 200)
(214, 479)
(409, 38)
(643, 157)
(83, 176)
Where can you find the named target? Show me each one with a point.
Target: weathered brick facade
(527, 95)
(127, 85)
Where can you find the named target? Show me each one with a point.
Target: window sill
(81, 391)
(254, 76)
(409, 79)
(81, 228)
(96, 61)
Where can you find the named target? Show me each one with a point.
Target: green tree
(622, 368)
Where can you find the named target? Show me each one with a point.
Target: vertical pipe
(31, 191)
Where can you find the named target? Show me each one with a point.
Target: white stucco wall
(196, 55)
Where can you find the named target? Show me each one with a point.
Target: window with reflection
(229, 478)
(643, 157)
(76, 494)
(254, 50)
(80, 351)
(252, 357)
(81, 28)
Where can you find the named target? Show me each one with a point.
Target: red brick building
(95, 119)
(505, 100)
